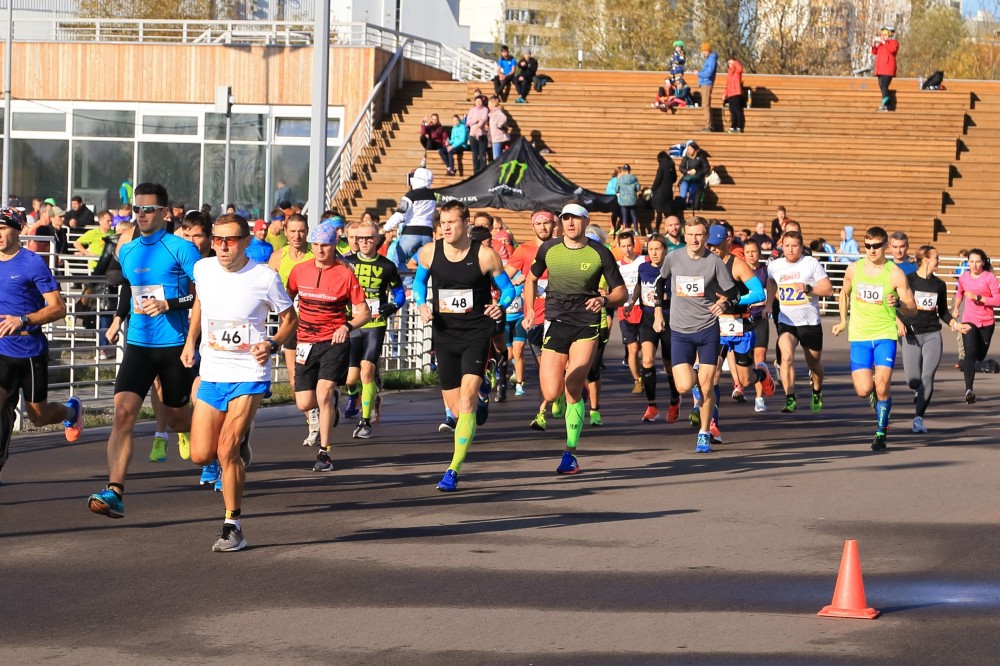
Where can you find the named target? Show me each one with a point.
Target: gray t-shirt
(694, 284)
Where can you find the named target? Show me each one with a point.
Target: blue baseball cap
(336, 221)
(716, 235)
(324, 234)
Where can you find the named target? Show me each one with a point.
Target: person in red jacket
(734, 96)
(884, 48)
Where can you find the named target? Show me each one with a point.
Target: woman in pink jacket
(477, 120)
(980, 290)
(734, 96)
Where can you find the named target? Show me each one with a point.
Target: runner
(229, 317)
(629, 323)
(463, 317)
(645, 296)
(922, 343)
(979, 289)
(873, 289)
(159, 271)
(573, 311)
(29, 299)
(325, 286)
(379, 279)
(295, 252)
(544, 225)
(515, 336)
(753, 255)
(796, 281)
(701, 288)
(672, 233)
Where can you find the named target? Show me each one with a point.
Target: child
(677, 58)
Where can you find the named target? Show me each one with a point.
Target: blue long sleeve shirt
(706, 77)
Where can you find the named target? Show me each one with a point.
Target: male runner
(295, 252)
(874, 288)
(796, 281)
(326, 287)
(899, 246)
(229, 316)
(544, 225)
(379, 279)
(629, 323)
(29, 299)
(672, 234)
(573, 311)
(160, 269)
(463, 317)
(701, 289)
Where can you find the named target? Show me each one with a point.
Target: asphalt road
(651, 554)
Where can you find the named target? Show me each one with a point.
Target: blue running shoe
(352, 406)
(568, 464)
(218, 485)
(107, 503)
(210, 473)
(448, 426)
(704, 443)
(449, 482)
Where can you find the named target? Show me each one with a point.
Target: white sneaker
(312, 439)
(759, 405)
(312, 418)
(918, 425)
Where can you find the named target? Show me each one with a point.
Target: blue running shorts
(867, 354)
(218, 394)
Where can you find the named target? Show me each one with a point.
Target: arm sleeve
(538, 265)
(420, 285)
(506, 287)
(124, 300)
(185, 302)
(609, 267)
(756, 293)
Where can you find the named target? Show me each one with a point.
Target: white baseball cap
(576, 210)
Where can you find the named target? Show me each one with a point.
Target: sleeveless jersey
(286, 264)
(871, 318)
(461, 293)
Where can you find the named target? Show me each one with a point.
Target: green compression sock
(352, 389)
(367, 399)
(574, 423)
(465, 430)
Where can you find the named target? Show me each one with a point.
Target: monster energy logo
(555, 173)
(512, 173)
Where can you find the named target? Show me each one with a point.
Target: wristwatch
(24, 320)
(274, 345)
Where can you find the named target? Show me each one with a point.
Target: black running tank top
(461, 291)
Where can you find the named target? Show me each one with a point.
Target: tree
(933, 34)
(163, 10)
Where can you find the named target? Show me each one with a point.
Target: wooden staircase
(816, 145)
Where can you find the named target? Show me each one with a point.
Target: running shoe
(918, 424)
(74, 428)
(184, 445)
(817, 402)
(695, 417)
(759, 405)
(538, 423)
(364, 430)
(336, 408)
(738, 394)
(230, 541)
(501, 395)
(246, 452)
(767, 383)
(210, 473)
(449, 482)
(791, 404)
(970, 397)
(107, 503)
(519, 389)
(595, 418)
(483, 410)
(713, 430)
(312, 418)
(652, 413)
(351, 410)
(637, 388)
(878, 444)
(674, 412)
(704, 444)
(323, 462)
(218, 485)
(568, 465)
(159, 451)
(559, 407)
(312, 439)
(448, 426)
(377, 410)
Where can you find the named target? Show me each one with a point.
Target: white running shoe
(918, 425)
(312, 439)
(759, 405)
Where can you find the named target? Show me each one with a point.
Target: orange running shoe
(673, 412)
(767, 384)
(652, 413)
(74, 428)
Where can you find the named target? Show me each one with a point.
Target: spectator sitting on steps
(457, 143)
(433, 135)
(527, 69)
(505, 73)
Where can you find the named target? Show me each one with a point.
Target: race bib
(869, 293)
(516, 305)
(145, 292)
(690, 286)
(789, 295)
(302, 350)
(455, 301)
(926, 300)
(373, 305)
(540, 286)
(230, 336)
(730, 326)
(648, 294)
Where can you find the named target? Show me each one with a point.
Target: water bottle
(920, 83)
(749, 97)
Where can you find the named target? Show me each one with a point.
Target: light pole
(320, 101)
(224, 104)
(8, 54)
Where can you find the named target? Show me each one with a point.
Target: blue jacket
(706, 77)
(459, 136)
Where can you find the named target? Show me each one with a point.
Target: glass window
(39, 167)
(96, 122)
(246, 126)
(291, 164)
(176, 165)
(246, 178)
(299, 128)
(183, 125)
(38, 122)
(99, 167)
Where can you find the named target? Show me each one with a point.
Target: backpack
(934, 81)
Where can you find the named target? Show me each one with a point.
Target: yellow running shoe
(159, 451)
(184, 445)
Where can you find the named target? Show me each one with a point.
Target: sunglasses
(364, 238)
(873, 246)
(148, 210)
(229, 241)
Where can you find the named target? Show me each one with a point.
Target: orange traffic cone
(849, 595)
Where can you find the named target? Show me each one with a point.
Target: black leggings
(977, 344)
(883, 84)
(736, 117)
